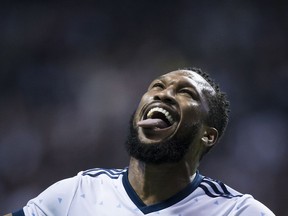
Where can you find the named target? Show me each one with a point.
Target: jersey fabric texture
(101, 192)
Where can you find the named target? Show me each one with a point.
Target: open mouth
(157, 117)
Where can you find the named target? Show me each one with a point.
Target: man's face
(169, 117)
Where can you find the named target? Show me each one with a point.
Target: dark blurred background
(71, 74)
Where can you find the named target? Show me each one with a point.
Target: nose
(166, 96)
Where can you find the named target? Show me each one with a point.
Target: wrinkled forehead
(194, 76)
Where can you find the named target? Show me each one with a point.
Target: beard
(169, 151)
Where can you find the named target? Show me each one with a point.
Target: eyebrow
(162, 79)
(184, 83)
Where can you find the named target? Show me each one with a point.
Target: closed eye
(189, 92)
(158, 85)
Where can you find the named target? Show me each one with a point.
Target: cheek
(191, 113)
(190, 108)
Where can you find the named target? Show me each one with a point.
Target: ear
(210, 136)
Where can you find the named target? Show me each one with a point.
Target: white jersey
(101, 192)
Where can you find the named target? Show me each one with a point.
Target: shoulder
(247, 205)
(87, 177)
(61, 196)
(238, 203)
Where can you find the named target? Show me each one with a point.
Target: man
(179, 119)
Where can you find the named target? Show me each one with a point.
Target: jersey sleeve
(247, 205)
(55, 200)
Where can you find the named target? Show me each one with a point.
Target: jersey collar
(164, 204)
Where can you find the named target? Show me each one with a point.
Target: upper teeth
(158, 109)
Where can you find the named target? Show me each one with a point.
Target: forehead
(196, 79)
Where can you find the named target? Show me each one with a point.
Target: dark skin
(181, 92)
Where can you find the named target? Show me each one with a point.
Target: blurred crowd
(71, 75)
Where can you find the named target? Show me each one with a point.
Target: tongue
(151, 123)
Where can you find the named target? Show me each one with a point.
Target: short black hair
(218, 103)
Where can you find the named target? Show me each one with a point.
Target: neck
(156, 183)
